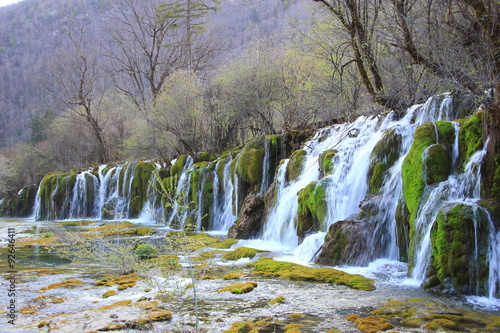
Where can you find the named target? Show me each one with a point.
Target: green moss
(453, 247)
(414, 165)
(470, 137)
(377, 177)
(495, 187)
(206, 157)
(325, 161)
(372, 324)
(239, 288)
(242, 252)
(287, 270)
(295, 165)
(312, 208)
(437, 164)
(140, 183)
(242, 327)
(277, 300)
(226, 244)
(178, 165)
(249, 162)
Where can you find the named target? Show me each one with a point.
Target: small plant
(146, 251)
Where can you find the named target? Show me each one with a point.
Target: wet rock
(346, 243)
(250, 220)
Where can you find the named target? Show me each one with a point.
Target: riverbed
(160, 297)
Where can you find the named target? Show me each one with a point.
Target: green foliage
(40, 124)
(146, 251)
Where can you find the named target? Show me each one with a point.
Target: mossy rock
(242, 252)
(295, 165)
(437, 164)
(64, 284)
(372, 324)
(109, 293)
(470, 137)
(277, 300)
(287, 270)
(384, 155)
(139, 187)
(457, 231)
(325, 161)
(207, 157)
(414, 180)
(239, 288)
(178, 165)
(312, 208)
(242, 327)
(248, 164)
(226, 244)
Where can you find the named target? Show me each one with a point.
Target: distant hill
(31, 30)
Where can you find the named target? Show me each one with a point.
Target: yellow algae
(67, 283)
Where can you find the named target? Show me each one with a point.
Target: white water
(347, 185)
(223, 216)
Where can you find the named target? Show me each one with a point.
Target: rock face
(19, 205)
(346, 244)
(250, 221)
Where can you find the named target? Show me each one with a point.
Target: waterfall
(152, 209)
(222, 210)
(493, 260)
(180, 203)
(266, 165)
(82, 203)
(281, 229)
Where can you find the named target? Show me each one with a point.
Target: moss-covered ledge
(287, 270)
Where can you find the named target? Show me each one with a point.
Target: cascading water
(153, 209)
(222, 208)
(82, 203)
(346, 187)
(266, 164)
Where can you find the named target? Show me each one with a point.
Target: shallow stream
(308, 306)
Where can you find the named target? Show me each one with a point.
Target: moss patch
(470, 137)
(109, 293)
(287, 270)
(242, 252)
(295, 165)
(178, 166)
(416, 162)
(312, 208)
(454, 244)
(249, 162)
(242, 327)
(239, 288)
(325, 161)
(64, 284)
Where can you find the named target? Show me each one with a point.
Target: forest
(103, 81)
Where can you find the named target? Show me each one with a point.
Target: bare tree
(75, 80)
(150, 40)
